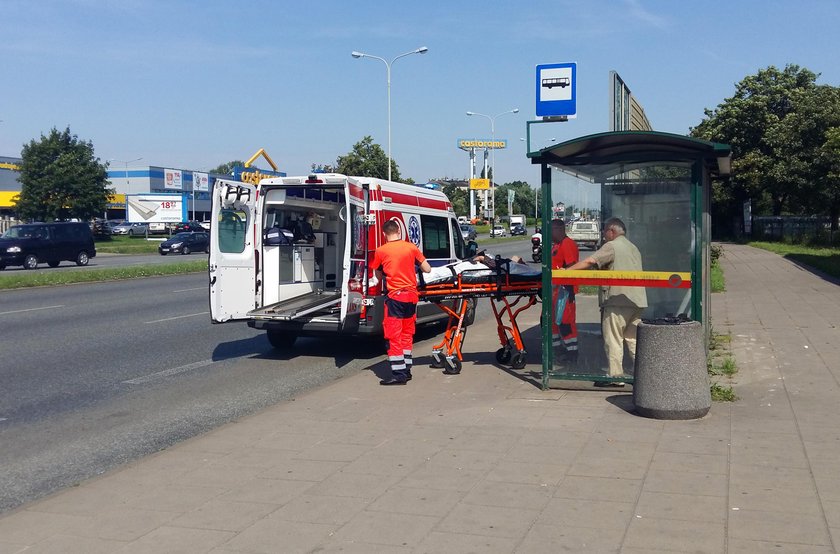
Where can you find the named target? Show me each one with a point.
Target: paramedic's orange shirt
(565, 254)
(397, 259)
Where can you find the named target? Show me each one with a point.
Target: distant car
(468, 231)
(498, 231)
(185, 243)
(189, 226)
(517, 229)
(101, 228)
(131, 229)
(206, 225)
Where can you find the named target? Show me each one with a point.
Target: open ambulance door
(355, 210)
(233, 270)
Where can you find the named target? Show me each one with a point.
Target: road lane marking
(188, 290)
(168, 372)
(178, 317)
(34, 310)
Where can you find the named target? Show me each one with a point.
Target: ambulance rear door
(233, 260)
(356, 220)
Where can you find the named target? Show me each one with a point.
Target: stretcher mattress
(471, 272)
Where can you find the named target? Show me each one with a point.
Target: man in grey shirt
(621, 307)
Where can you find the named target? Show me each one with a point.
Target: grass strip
(825, 259)
(51, 278)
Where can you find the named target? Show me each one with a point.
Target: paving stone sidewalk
(486, 462)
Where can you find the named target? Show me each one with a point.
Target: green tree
(813, 133)
(523, 200)
(61, 178)
(367, 159)
(458, 197)
(752, 123)
(227, 168)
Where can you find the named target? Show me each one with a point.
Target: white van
(291, 255)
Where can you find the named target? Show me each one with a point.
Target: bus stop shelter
(659, 185)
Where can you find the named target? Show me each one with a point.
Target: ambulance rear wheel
(518, 361)
(469, 316)
(503, 355)
(281, 340)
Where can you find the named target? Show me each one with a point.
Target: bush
(716, 253)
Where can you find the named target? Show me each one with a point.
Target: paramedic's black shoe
(408, 376)
(609, 384)
(394, 380)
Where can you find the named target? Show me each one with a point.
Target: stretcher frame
(505, 296)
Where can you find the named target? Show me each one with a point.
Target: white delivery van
(291, 255)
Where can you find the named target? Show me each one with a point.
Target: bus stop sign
(557, 90)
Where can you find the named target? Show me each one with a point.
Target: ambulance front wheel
(281, 340)
(503, 355)
(518, 361)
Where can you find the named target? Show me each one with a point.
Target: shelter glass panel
(653, 202)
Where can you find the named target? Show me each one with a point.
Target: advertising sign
(557, 90)
(466, 144)
(479, 184)
(172, 179)
(201, 182)
(155, 208)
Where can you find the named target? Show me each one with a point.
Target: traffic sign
(557, 90)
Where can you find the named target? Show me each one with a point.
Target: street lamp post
(421, 50)
(493, 159)
(126, 162)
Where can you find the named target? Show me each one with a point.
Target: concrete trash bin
(671, 378)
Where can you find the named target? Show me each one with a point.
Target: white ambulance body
(310, 276)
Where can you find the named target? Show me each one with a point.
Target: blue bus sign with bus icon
(557, 90)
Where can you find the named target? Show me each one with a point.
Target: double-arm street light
(421, 50)
(493, 159)
(126, 162)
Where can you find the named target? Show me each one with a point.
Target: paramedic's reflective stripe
(650, 279)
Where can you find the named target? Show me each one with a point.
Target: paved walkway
(486, 462)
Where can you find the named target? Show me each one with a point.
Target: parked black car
(33, 243)
(517, 229)
(189, 227)
(185, 243)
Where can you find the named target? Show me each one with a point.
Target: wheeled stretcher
(511, 287)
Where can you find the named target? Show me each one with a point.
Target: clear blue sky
(191, 84)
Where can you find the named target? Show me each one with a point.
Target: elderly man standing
(621, 307)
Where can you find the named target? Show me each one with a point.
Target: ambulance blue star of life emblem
(414, 230)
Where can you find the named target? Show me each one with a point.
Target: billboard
(201, 182)
(155, 208)
(172, 179)
(466, 144)
(626, 113)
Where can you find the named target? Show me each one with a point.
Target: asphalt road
(97, 375)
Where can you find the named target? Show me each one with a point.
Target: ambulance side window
(435, 236)
(460, 246)
(233, 226)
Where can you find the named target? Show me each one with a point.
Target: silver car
(131, 229)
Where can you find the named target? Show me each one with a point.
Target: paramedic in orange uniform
(564, 253)
(395, 260)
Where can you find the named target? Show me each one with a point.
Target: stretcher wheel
(503, 355)
(518, 361)
(437, 362)
(453, 366)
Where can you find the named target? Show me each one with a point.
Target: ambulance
(291, 255)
